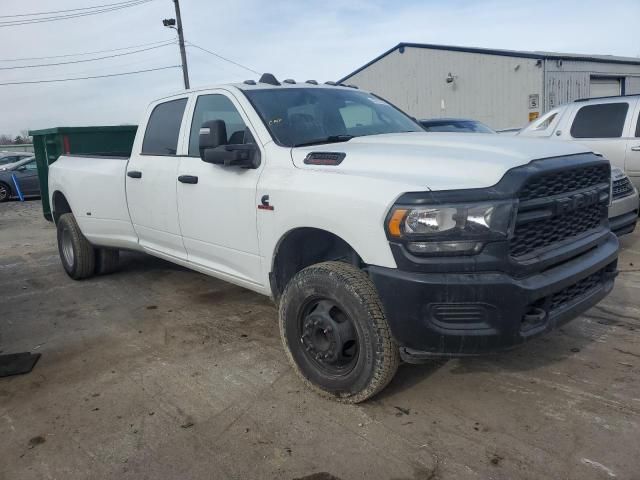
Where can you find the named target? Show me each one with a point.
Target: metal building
(502, 88)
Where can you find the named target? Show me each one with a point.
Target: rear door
(217, 204)
(151, 180)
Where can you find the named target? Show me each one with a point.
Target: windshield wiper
(329, 139)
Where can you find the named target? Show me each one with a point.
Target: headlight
(451, 229)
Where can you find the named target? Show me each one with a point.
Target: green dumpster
(50, 143)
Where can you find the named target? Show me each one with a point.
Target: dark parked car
(462, 125)
(26, 173)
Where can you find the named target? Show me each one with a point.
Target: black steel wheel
(329, 336)
(335, 333)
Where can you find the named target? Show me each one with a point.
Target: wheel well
(303, 247)
(60, 206)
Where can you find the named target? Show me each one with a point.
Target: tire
(76, 253)
(335, 334)
(107, 260)
(5, 192)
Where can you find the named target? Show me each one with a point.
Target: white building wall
(568, 80)
(491, 88)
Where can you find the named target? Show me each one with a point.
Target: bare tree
(25, 136)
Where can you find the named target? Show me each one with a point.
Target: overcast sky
(301, 39)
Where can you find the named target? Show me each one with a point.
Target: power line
(190, 44)
(82, 53)
(87, 78)
(87, 59)
(64, 11)
(11, 23)
(14, 23)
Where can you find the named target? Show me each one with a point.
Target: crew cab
(379, 242)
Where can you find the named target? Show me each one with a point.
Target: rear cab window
(163, 128)
(604, 120)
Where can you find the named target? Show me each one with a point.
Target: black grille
(576, 290)
(622, 188)
(564, 181)
(542, 233)
(541, 223)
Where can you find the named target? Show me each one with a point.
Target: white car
(609, 126)
(378, 241)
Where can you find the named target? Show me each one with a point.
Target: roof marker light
(269, 78)
(312, 82)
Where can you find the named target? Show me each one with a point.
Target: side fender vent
(325, 158)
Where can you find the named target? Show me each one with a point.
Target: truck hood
(438, 161)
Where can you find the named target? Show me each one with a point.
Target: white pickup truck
(378, 241)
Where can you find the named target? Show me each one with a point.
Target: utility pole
(183, 53)
(170, 22)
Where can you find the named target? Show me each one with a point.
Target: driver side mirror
(212, 134)
(214, 147)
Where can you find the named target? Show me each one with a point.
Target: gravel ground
(162, 373)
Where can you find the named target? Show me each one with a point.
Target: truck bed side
(94, 188)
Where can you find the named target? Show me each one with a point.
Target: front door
(218, 213)
(151, 178)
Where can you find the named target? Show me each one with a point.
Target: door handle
(134, 174)
(636, 148)
(188, 179)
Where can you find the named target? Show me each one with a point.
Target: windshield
(469, 126)
(308, 116)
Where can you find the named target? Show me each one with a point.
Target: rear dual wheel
(79, 258)
(335, 333)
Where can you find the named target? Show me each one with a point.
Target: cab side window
(605, 120)
(638, 126)
(163, 129)
(217, 107)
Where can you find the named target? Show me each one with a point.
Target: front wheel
(335, 333)
(76, 253)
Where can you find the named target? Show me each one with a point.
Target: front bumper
(458, 314)
(623, 214)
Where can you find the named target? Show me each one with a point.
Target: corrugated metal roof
(505, 53)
